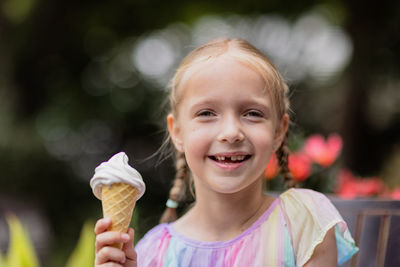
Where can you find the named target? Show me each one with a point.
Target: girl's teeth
(232, 158)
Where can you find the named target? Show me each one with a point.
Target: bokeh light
(308, 48)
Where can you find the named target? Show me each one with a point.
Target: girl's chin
(228, 185)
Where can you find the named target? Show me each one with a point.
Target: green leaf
(83, 254)
(2, 264)
(21, 252)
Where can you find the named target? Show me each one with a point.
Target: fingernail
(107, 220)
(125, 237)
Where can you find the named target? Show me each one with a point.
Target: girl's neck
(221, 217)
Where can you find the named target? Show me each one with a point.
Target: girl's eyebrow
(257, 101)
(205, 101)
(263, 106)
(254, 102)
(200, 103)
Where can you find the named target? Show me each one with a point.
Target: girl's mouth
(230, 159)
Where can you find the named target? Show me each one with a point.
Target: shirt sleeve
(310, 216)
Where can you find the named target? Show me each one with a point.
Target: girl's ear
(174, 132)
(281, 131)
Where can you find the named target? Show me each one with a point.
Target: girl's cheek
(199, 135)
(199, 138)
(263, 137)
(199, 131)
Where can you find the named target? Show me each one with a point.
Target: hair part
(247, 54)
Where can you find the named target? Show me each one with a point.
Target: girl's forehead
(221, 73)
(208, 66)
(226, 81)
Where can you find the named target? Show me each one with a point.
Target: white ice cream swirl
(116, 170)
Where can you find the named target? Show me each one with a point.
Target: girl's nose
(230, 131)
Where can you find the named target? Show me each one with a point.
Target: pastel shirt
(285, 235)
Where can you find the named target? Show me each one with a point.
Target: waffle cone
(118, 201)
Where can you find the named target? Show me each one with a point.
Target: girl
(229, 113)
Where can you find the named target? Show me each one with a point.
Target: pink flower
(272, 168)
(299, 166)
(396, 193)
(323, 153)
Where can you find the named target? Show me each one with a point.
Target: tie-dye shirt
(285, 235)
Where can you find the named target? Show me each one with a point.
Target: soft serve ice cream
(116, 170)
(118, 186)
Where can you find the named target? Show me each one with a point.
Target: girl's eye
(205, 113)
(254, 113)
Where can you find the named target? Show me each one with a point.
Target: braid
(282, 155)
(178, 190)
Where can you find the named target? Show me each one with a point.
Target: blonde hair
(247, 54)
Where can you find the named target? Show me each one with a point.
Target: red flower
(299, 166)
(347, 185)
(272, 168)
(323, 153)
(370, 186)
(350, 186)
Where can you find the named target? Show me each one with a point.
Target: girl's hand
(106, 255)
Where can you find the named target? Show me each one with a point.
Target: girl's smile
(225, 125)
(229, 161)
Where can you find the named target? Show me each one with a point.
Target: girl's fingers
(130, 253)
(109, 238)
(102, 225)
(110, 254)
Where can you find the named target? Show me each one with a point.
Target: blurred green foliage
(21, 252)
(83, 254)
(2, 263)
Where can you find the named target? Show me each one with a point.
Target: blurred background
(82, 80)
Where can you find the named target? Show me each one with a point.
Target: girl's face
(226, 126)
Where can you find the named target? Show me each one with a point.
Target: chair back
(375, 226)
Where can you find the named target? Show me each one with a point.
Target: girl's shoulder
(150, 246)
(309, 207)
(295, 199)
(152, 238)
(310, 215)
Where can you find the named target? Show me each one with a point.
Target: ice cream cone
(118, 201)
(118, 186)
